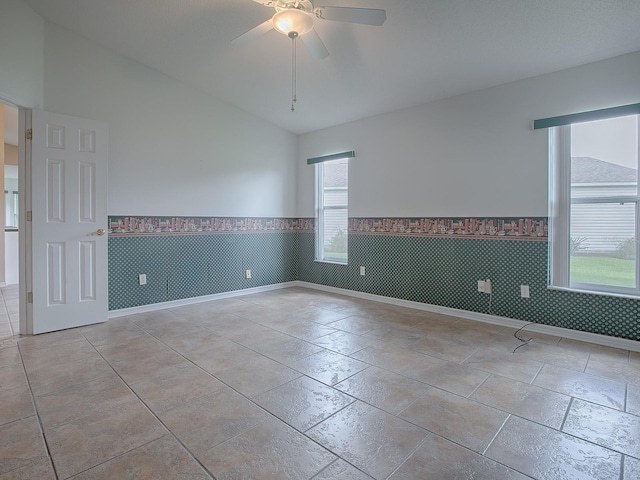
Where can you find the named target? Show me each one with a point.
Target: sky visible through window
(614, 140)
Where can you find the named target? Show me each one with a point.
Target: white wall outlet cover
(247, 273)
(362, 271)
(487, 286)
(142, 279)
(481, 286)
(524, 291)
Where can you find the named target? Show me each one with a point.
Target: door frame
(24, 202)
(25, 277)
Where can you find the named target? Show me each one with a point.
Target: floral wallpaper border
(503, 228)
(508, 228)
(127, 226)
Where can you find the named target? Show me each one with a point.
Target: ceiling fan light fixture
(292, 20)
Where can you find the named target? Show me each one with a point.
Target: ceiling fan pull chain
(294, 73)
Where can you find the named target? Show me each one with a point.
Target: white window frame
(560, 219)
(320, 209)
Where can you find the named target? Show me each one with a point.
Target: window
(595, 202)
(332, 207)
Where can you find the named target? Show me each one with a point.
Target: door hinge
(29, 216)
(29, 297)
(29, 134)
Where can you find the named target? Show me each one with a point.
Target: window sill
(630, 296)
(334, 262)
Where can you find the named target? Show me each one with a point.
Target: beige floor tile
(256, 377)
(195, 342)
(106, 394)
(446, 349)
(343, 342)
(595, 350)
(22, 450)
(320, 315)
(329, 367)
(287, 350)
(533, 403)
(173, 328)
(223, 354)
(171, 386)
(307, 331)
(134, 350)
(60, 377)
(48, 340)
(439, 458)
(616, 370)
(507, 364)
(15, 404)
(631, 468)
(372, 440)
(39, 469)
(58, 355)
(390, 358)
(208, 421)
(9, 352)
(343, 471)
(449, 376)
(358, 325)
(554, 355)
(633, 399)
(153, 318)
(459, 419)
(582, 385)
(544, 453)
(250, 333)
(112, 333)
(604, 426)
(88, 441)
(136, 369)
(11, 377)
(162, 458)
(385, 390)
(269, 450)
(303, 402)
(397, 337)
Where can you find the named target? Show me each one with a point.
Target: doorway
(9, 288)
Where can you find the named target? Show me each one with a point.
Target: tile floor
(300, 384)
(8, 312)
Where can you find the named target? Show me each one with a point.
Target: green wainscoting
(184, 266)
(435, 270)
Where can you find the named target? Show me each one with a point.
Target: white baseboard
(605, 340)
(193, 300)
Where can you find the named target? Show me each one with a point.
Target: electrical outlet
(481, 286)
(487, 286)
(247, 274)
(524, 291)
(142, 279)
(362, 271)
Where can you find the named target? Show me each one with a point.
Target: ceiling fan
(295, 18)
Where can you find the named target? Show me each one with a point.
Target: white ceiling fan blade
(314, 44)
(365, 16)
(253, 33)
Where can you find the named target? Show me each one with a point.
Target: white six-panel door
(69, 221)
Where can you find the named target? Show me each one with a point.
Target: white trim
(605, 340)
(191, 301)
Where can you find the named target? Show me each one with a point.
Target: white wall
(172, 149)
(469, 155)
(21, 54)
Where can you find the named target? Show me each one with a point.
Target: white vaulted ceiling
(426, 50)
